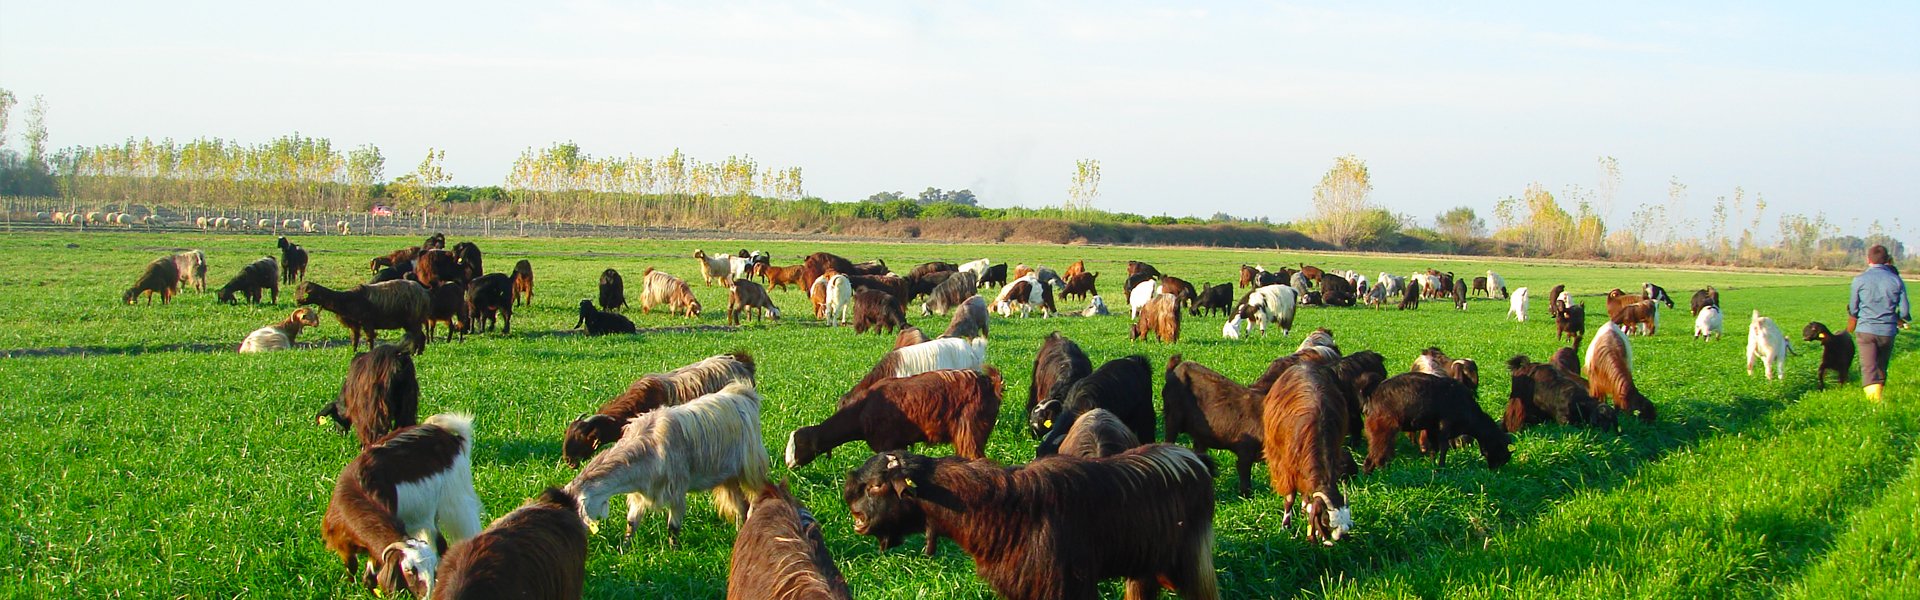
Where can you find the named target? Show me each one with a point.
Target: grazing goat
(1160, 317)
(1459, 295)
(745, 294)
(1518, 305)
(1766, 342)
(1097, 434)
(1079, 286)
(994, 275)
(950, 293)
(1704, 298)
(293, 261)
(192, 266)
(712, 442)
(948, 406)
(976, 267)
(447, 303)
(1441, 408)
(714, 269)
(380, 395)
(779, 554)
(589, 433)
(872, 268)
(1410, 300)
(1321, 337)
(1139, 294)
(1496, 286)
(838, 303)
(161, 277)
(876, 310)
(600, 322)
(1216, 412)
(1544, 392)
(660, 288)
(1302, 422)
(1571, 323)
(613, 293)
(781, 277)
(939, 353)
(1056, 366)
(1609, 372)
(490, 298)
(923, 269)
(523, 283)
(1211, 298)
(417, 481)
(262, 274)
(1122, 385)
(1266, 305)
(924, 284)
(1708, 324)
(1656, 293)
(280, 336)
(367, 309)
(1836, 352)
(1638, 316)
(1154, 526)
(435, 266)
(537, 551)
(969, 320)
(909, 335)
(1026, 292)
(821, 263)
(1180, 289)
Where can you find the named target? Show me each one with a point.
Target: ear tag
(1048, 424)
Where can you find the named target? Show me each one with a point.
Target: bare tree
(1341, 201)
(1086, 185)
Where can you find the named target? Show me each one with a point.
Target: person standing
(1876, 312)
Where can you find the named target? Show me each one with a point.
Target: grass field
(150, 460)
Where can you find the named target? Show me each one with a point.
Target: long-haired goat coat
(937, 407)
(710, 443)
(1441, 407)
(1303, 419)
(781, 555)
(1057, 364)
(1216, 412)
(953, 292)
(1098, 434)
(663, 289)
(1609, 372)
(419, 478)
(1271, 304)
(367, 309)
(941, 353)
(1159, 318)
(537, 551)
(1766, 342)
(589, 433)
(1028, 528)
(161, 277)
(380, 395)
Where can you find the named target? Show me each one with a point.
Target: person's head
(1877, 255)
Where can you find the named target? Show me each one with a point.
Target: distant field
(150, 460)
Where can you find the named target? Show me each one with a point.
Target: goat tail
(1201, 584)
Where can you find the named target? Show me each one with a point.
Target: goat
(1272, 304)
(1638, 316)
(367, 309)
(523, 283)
(781, 277)
(1459, 295)
(1154, 527)
(821, 263)
(993, 275)
(1078, 267)
(936, 354)
(1496, 286)
(838, 304)
(1618, 299)
(1656, 293)
(467, 254)
(1836, 352)
(1211, 298)
(817, 295)
(923, 284)
(1302, 421)
(1027, 292)
(948, 406)
(926, 268)
(1122, 385)
(872, 268)
(1556, 301)
(779, 554)
(403, 256)
(1215, 412)
(1571, 323)
(161, 277)
(537, 551)
(613, 293)
(1704, 298)
(490, 297)
(909, 335)
(712, 442)
(745, 294)
(1321, 337)
(976, 267)
(1080, 285)
(380, 395)
(950, 293)
(1518, 305)
(876, 310)
(600, 322)
(437, 241)
(1709, 323)
(192, 266)
(1609, 372)
(1766, 342)
(1096, 307)
(661, 288)
(262, 274)
(1544, 392)
(1057, 364)
(1139, 294)
(416, 480)
(293, 261)
(969, 320)
(1410, 299)
(280, 336)
(434, 266)
(1480, 286)
(1159, 317)
(1180, 289)
(714, 269)
(447, 303)
(1440, 407)
(1097, 434)
(588, 433)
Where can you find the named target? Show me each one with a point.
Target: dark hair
(1877, 255)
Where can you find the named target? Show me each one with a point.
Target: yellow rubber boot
(1873, 392)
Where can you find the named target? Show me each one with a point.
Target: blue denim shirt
(1879, 301)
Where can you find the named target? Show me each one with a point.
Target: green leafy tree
(1342, 199)
(1460, 225)
(1085, 189)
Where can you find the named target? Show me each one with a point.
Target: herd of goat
(1101, 500)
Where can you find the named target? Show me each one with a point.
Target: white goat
(1140, 295)
(1707, 325)
(839, 304)
(1517, 306)
(1273, 304)
(280, 336)
(1496, 286)
(1767, 343)
(978, 268)
(712, 443)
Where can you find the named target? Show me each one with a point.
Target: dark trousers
(1875, 351)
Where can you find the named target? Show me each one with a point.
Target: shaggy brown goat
(909, 335)
(1183, 292)
(447, 303)
(161, 277)
(523, 283)
(537, 551)
(468, 256)
(969, 319)
(262, 274)
(819, 264)
(745, 294)
(1057, 364)
(434, 266)
(1554, 303)
(779, 554)
(1609, 373)
(588, 433)
(380, 395)
(1441, 407)
(1160, 317)
(1638, 315)
(1545, 393)
(1154, 526)
(1215, 412)
(1097, 434)
(1079, 286)
(367, 309)
(293, 262)
(1136, 269)
(949, 406)
(950, 294)
(876, 310)
(659, 288)
(1302, 420)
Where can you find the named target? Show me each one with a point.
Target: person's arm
(1906, 310)
(1853, 306)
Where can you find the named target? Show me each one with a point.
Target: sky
(1191, 108)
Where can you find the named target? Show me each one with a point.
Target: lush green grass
(150, 460)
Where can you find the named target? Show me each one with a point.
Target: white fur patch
(792, 462)
(1232, 330)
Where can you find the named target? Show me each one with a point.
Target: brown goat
(1078, 267)
(537, 551)
(1303, 419)
(162, 276)
(1098, 434)
(395, 258)
(909, 335)
(779, 554)
(380, 394)
(659, 288)
(876, 310)
(1215, 412)
(1030, 532)
(1080, 285)
(447, 303)
(820, 263)
(744, 294)
(1609, 373)
(434, 266)
(589, 433)
(817, 294)
(781, 277)
(369, 308)
(1638, 315)
(523, 283)
(954, 406)
(1160, 317)
(1543, 393)
(969, 319)
(1441, 407)
(1618, 299)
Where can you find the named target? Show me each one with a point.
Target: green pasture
(148, 459)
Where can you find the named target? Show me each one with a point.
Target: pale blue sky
(1191, 108)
